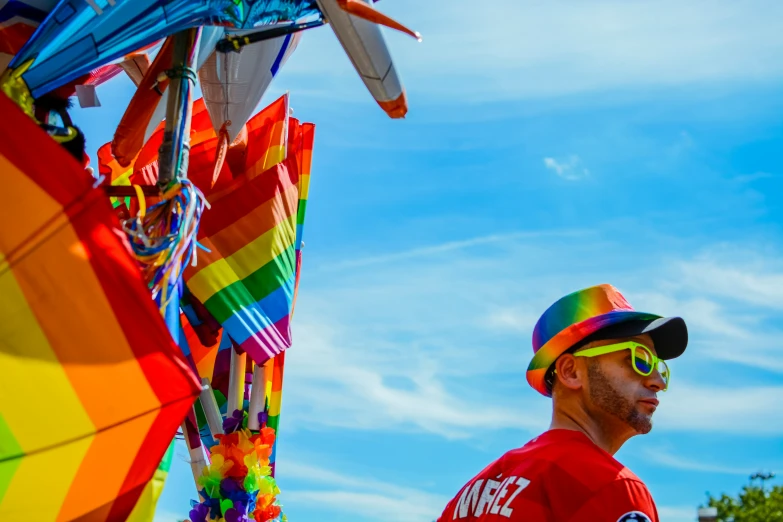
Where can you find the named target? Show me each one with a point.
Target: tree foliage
(753, 504)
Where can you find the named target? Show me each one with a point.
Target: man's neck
(609, 436)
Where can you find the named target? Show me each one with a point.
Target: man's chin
(641, 423)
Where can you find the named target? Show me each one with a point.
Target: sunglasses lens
(643, 361)
(663, 369)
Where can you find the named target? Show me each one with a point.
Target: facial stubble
(610, 400)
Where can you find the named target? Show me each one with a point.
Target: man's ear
(569, 372)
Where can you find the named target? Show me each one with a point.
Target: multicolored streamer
(163, 238)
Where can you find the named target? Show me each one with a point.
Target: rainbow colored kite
(93, 386)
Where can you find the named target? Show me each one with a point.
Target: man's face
(616, 389)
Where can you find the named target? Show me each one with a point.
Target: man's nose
(655, 381)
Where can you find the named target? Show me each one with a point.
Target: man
(602, 363)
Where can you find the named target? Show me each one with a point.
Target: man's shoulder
(625, 499)
(574, 452)
(558, 458)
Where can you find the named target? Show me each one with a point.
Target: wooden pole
(210, 407)
(257, 396)
(236, 383)
(195, 449)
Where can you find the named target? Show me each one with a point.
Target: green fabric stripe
(273, 422)
(165, 464)
(8, 448)
(254, 287)
(300, 213)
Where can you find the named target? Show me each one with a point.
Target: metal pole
(175, 149)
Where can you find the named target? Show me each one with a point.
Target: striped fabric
(274, 400)
(215, 363)
(93, 387)
(266, 130)
(247, 279)
(301, 138)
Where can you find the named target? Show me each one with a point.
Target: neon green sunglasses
(642, 359)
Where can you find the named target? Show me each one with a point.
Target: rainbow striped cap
(583, 313)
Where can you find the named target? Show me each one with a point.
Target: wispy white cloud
(750, 178)
(512, 319)
(758, 354)
(366, 497)
(372, 506)
(721, 332)
(343, 382)
(724, 409)
(750, 281)
(729, 296)
(570, 168)
(451, 246)
(542, 49)
(457, 332)
(705, 316)
(663, 458)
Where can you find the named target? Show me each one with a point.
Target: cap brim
(669, 334)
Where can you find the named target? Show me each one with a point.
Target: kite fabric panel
(93, 386)
(18, 20)
(78, 37)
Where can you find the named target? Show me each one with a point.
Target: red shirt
(560, 476)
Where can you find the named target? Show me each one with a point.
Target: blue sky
(549, 146)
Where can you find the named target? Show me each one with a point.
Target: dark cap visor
(669, 334)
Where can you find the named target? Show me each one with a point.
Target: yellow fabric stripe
(18, 196)
(103, 468)
(33, 378)
(148, 501)
(274, 155)
(42, 482)
(223, 272)
(304, 186)
(274, 403)
(92, 372)
(122, 180)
